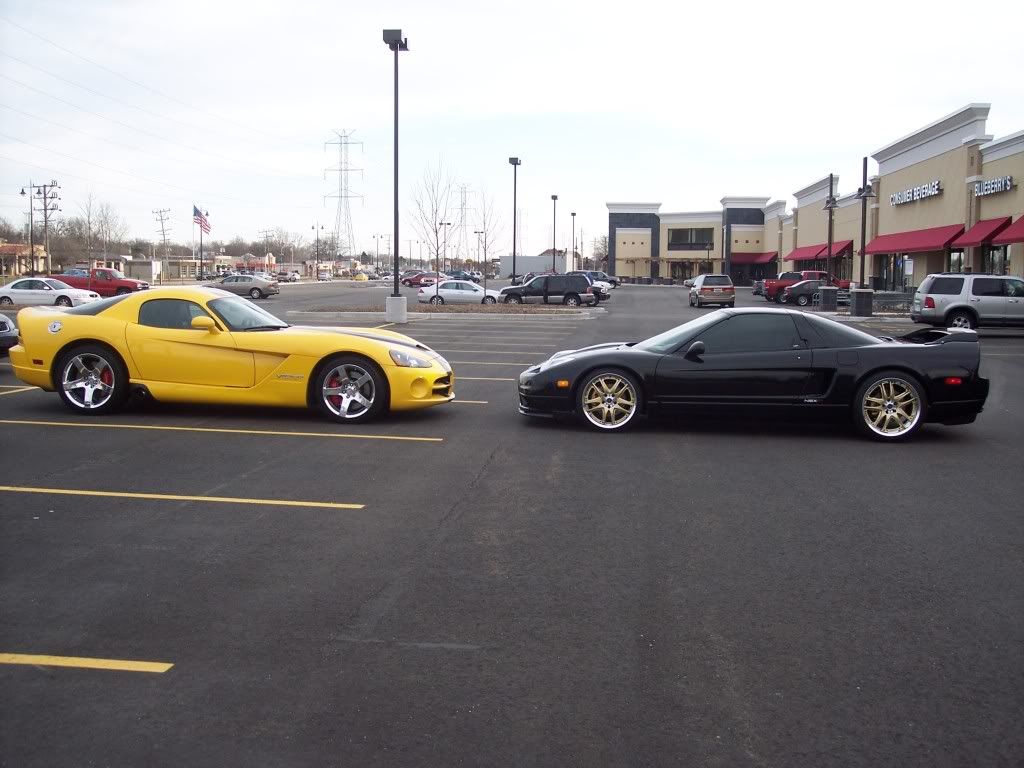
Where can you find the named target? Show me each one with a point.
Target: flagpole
(200, 249)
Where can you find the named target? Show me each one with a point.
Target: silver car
(456, 292)
(247, 285)
(713, 289)
(45, 290)
(957, 300)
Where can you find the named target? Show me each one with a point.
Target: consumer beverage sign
(913, 194)
(992, 186)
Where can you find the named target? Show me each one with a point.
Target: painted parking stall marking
(83, 662)
(178, 497)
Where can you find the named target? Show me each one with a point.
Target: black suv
(572, 290)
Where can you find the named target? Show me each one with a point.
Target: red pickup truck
(773, 288)
(102, 280)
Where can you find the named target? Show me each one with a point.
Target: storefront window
(995, 260)
(956, 261)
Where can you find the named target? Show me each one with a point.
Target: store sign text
(914, 194)
(992, 186)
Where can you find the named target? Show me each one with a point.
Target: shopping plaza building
(946, 198)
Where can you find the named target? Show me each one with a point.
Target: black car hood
(593, 348)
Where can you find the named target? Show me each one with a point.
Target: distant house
(15, 260)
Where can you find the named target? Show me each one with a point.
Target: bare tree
(599, 250)
(110, 227)
(432, 202)
(88, 208)
(491, 226)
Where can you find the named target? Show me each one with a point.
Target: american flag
(199, 218)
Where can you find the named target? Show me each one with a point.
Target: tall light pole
(444, 257)
(395, 304)
(316, 254)
(554, 224)
(573, 214)
(479, 264)
(515, 163)
(31, 227)
(865, 193)
(376, 251)
(830, 206)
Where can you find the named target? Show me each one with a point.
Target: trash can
(829, 298)
(861, 302)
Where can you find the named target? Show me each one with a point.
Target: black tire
(513, 299)
(571, 300)
(489, 300)
(407, 284)
(861, 416)
(437, 300)
(779, 299)
(586, 409)
(256, 293)
(84, 357)
(63, 301)
(121, 291)
(961, 318)
(329, 370)
(802, 300)
(6, 300)
(691, 299)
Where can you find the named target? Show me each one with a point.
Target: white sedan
(456, 292)
(45, 290)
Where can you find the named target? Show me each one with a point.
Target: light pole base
(395, 309)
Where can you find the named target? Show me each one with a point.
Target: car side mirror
(47, 287)
(204, 323)
(695, 351)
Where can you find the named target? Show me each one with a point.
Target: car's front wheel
(121, 291)
(63, 301)
(609, 400)
(256, 293)
(91, 379)
(779, 298)
(351, 389)
(802, 300)
(489, 300)
(6, 300)
(513, 299)
(572, 300)
(437, 300)
(889, 406)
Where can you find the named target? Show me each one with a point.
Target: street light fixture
(515, 163)
(554, 224)
(830, 206)
(395, 304)
(864, 194)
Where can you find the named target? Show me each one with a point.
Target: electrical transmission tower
(161, 217)
(462, 235)
(344, 237)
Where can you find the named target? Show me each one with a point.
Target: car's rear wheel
(91, 379)
(351, 389)
(489, 300)
(256, 293)
(890, 406)
(572, 300)
(779, 299)
(961, 319)
(609, 400)
(437, 300)
(802, 300)
(121, 291)
(513, 299)
(6, 300)
(63, 301)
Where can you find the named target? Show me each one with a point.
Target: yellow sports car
(203, 345)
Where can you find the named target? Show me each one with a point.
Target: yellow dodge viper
(203, 345)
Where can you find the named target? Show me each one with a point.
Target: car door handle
(975, 300)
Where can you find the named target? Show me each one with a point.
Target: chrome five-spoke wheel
(349, 391)
(891, 407)
(609, 400)
(88, 381)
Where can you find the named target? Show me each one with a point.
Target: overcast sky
(229, 104)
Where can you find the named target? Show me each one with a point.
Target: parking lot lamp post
(830, 206)
(479, 264)
(316, 253)
(554, 224)
(573, 214)
(515, 163)
(31, 228)
(444, 258)
(394, 40)
(865, 193)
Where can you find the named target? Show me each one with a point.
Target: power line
(136, 82)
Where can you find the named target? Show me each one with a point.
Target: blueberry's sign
(993, 186)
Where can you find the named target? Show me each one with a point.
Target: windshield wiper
(265, 328)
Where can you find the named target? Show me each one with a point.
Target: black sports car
(760, 358)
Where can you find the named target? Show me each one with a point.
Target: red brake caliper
(107, 377)
(334, 399)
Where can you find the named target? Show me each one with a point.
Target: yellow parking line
(179, 497)
(218, 430)
(119, 665)
(386, 325)
(17, 390)
(470, 402)
(481, 378)
(479, 362)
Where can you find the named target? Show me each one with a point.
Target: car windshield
(240, 314)
(57, 284)
(672, 338)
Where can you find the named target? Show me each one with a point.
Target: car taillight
(705, 290)
(590, 289)
(954, 381)
(929, 302)
(729, 289)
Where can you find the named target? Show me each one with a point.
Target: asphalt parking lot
(465, 586)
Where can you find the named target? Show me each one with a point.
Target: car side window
(946, 286)
(761, 332)
(558, 284)
(538, 283)
(1015, 288)
(169, 313)
(987, 286)
(449, 286)
(22, 285)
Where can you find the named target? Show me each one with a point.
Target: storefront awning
(981, 233)
(754, 258)
(806, 252)
(916, 241)
(839, 247)
(1012, 234)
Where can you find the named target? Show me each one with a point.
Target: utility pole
(462, 236)
(344, 237)
(161, 217)
(49, 196)
(265, 234)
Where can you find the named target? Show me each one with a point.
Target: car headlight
(405, 360)
(555, 360)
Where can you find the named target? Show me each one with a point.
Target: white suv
(958, 300)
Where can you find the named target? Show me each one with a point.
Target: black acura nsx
(760, 361)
